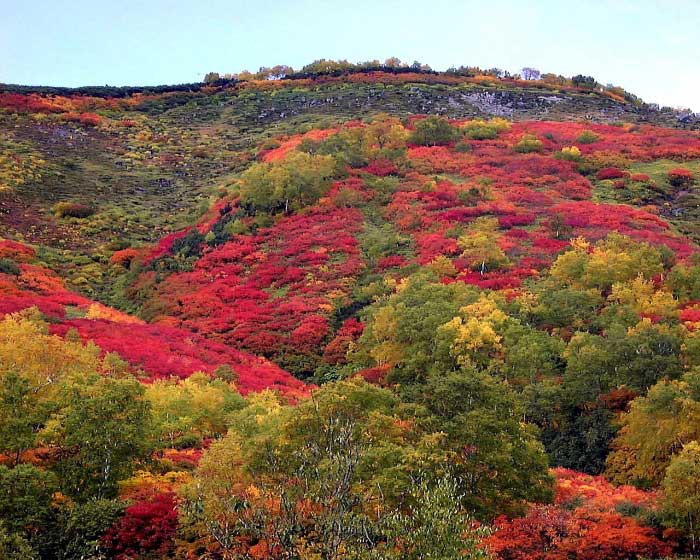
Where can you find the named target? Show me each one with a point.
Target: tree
(15, 547)
(78, 529)
(498, 458)
(657, 427)
(434, 131)
(196, 407)
(21, 415)
(297, 181)
(211, 77)
(586, 82)
(530, 73)
(681, 486)
(435, 527)
(315, 477)
(480, 246)
(26, 495)
(101, 428)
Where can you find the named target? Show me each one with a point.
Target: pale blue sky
(650, 47)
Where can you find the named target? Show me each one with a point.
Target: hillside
(306, 317)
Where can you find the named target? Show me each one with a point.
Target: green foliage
(194, 408)
(104, 420)
(15, 547)
(21, 414)
(344, 448)
(485, 130)
(72, 210)
(78, 529)
(435, 527)
(529, 143)
(26, 494)
(587, 137)
(297, 181)
(482, 418)
(383, 240)
(8, 266)
(434, 131)
(681, 487)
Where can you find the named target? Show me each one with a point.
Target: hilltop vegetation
(352, 312)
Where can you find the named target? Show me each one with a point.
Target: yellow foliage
(442, 266)
(43, 359)
(476, 340)
(485, 308)
(644, 298)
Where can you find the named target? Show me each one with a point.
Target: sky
(649, 47)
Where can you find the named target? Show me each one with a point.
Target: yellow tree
(480, 245)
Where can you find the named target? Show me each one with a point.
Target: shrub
(147, 527)
(434, 131)
(8, 266)
(640, 177)
(528, 143)
(124, 257)
(72, 210)
(570, 153)
(681, 177)
(587, 137)
(611, 173)
(485, 130)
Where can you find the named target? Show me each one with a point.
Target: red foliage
(375, 375)
(680, 177)
(16, 251)
(124, 257)
(290, 144)
(163, 351)
(88, 119)
(392, 261)
(337, 349)
(148, 527)
(381, 168)
(159, 350)
(611, 173)
(640, 177)
(551, 533)
(582, 525)
(271, 292)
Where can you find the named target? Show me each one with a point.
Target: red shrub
(640, 177)
(381, 168)
(124, 257)
(611, 173)
(147, 528)
(593, 530)
(681, 177)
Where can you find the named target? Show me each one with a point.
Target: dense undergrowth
(232, 333)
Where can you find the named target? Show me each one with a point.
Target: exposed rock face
(452, 101)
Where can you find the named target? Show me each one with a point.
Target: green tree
(434, 131)
(434, 527)
(480, 246)
(655, 429)
(79, 528)
(21, 415)
(26, 494)
(102, 429)
(498, 457)
(15, 547)
(681, 487)
(315, 476)
(295, 182)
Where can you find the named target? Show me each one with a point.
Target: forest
(325, 336)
